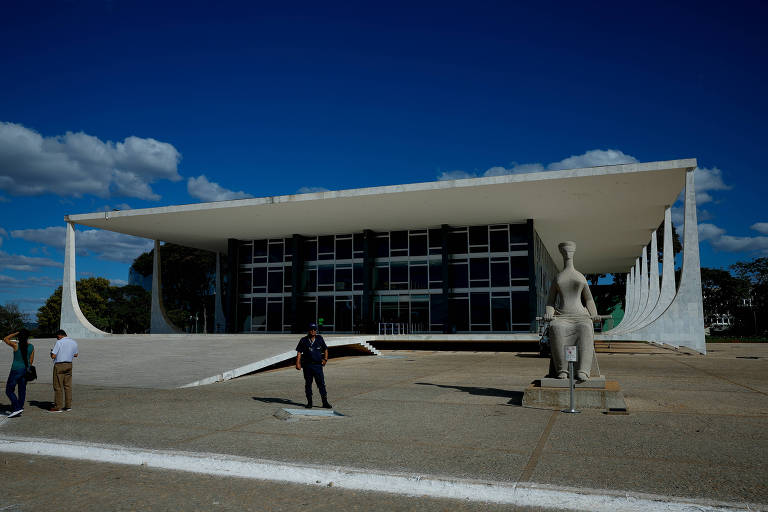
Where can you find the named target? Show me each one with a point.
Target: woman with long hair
(23, 356)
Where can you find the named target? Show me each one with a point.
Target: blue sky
(132, 105)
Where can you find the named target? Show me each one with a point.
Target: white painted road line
(530, 495)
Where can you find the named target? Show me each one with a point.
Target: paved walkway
(696, 438)
(165, 362)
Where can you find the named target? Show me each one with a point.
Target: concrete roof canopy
(609, 211)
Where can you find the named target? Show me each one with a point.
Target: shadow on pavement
(41, 405)
(270, 400)
(516, 397)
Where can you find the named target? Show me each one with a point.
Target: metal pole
(572, 410)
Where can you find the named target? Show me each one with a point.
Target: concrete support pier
(72, 319)
(159, 323)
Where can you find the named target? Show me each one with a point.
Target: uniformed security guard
(312, 354)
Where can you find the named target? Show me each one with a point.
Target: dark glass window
(381, 278)
(478, 269)
(435, 274)
(480, 309)
(419, 313)
(310, 250)
(478, 235)
(276, 253)
(357, 309)
(287, 317)
(418, 277)
(437, 309)
(259, 251)
(343, 279)
(418, 245)
(459, 275)
(435, 241)
(500, 273)
(259, 314)
(459, 313)
(275, 316)
(244, 316)
(310, 280)
(343, 315)
(398, 278)
(358, 244)
(244, 253)
(324, 275)
(518, 233)
(259, 279)
(307, 312)
(457, 243)
(357, 273)
(382, 246)
(518, 267)
(244, 282)
(520, 308)
(325, 311)
(500, 314)
(398, 241)
(499, 241)
(344, 249)
(275, 282)
(325, 244)
(288, 278)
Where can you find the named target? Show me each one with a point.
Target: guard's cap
(312, 326)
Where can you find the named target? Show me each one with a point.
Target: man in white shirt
(62, 354)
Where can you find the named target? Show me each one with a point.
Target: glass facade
(449, 279)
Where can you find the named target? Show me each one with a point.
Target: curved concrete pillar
(218, 317)
(160, 323)
(628, 299)
(72, 319)
(682, 323)
(653, 283)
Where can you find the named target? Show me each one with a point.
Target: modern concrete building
(469, 257)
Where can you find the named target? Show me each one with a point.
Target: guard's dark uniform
(312, 354)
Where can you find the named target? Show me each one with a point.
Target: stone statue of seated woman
(571, 312)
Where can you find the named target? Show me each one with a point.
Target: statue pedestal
(593, 382)
(596, 393)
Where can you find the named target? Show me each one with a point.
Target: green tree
(110, 308)
(187, 281)
(756, 273)
(49, 314)
(11, 318)
(723, 293)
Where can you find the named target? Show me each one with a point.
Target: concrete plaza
(696, 433)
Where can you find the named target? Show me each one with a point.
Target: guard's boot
(326, 405)
(309, 403)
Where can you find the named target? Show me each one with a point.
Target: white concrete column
(682, 322)
(653, 283)
(160, 323)
(72, 319)
(219, 320)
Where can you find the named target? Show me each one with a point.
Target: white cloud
(118, 282)
(591, 158)
(206, 190)
(3, 232)
(106, 245)
(706, 180)
(28, 282)
(455, 175)
(311, 190)
(719, 240)
(25, 263)
(760, 227)
(710, 232)
(74, 164)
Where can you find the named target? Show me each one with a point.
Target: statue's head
(567, 249)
